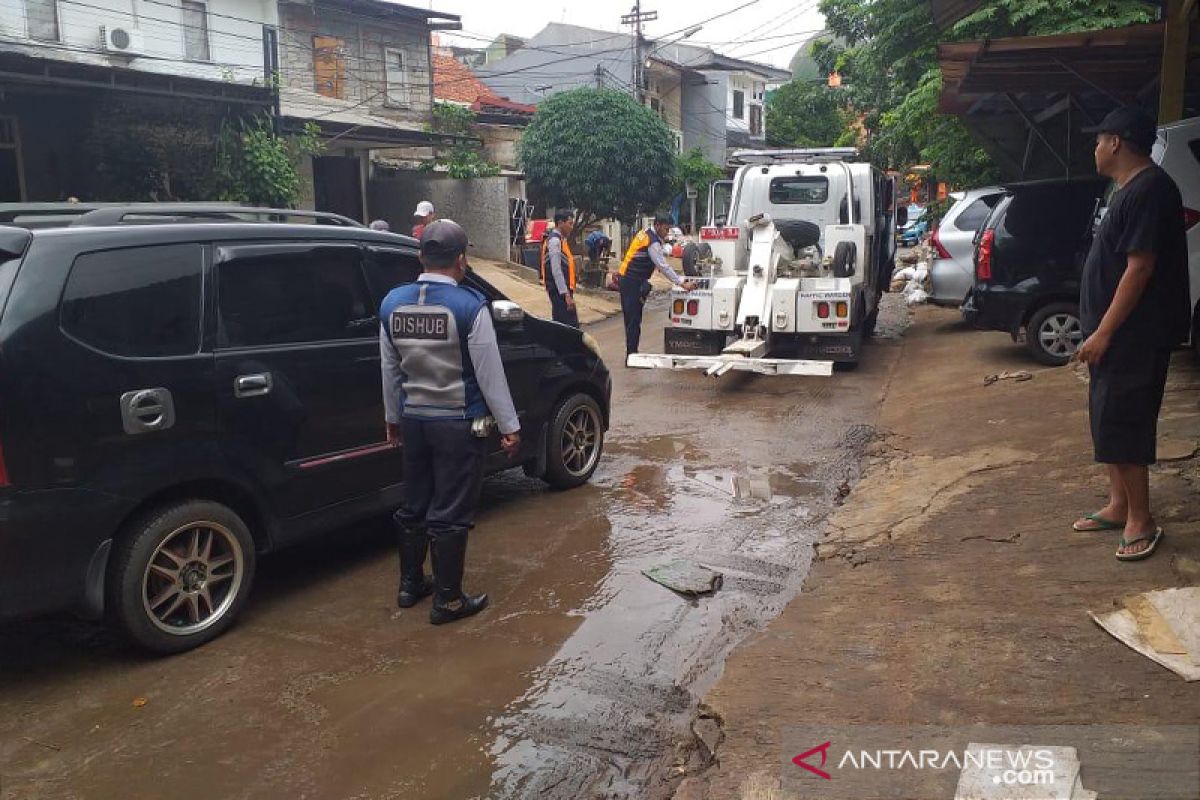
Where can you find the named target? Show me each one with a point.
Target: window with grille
(42, 19)
(195, 31)
(396, 65)
(739, 104)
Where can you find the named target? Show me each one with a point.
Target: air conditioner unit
(126, 41)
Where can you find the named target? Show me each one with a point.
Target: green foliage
(146, 151)
(598, 151)
(257, 167)
(464, 159)
(891, 78)
(693, 169)
(801, 114)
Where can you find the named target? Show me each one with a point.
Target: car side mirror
(901, 216)
(507, 311)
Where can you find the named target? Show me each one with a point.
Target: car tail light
(677, 307)
(843, 309)
(1191, 217)
(823, 310)
(936, 241)
(693, 307)
(983, 262)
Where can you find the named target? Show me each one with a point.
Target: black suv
(1029, 258)
(177, 399)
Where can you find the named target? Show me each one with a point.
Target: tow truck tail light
(823, 310)
(983, 263)
(693, 307)
(1191, 218)
(936, 241)
(843, 309)
(677, 307)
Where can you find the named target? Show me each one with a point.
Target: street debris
(977, 782)
(139, 702)
(913, 282)
(1164, 626)
(685, 577)
(1018, 376)
(46, 745)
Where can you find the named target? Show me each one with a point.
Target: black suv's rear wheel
(1054, 333)
(575, 441)
(180, 576)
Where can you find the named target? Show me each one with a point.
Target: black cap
(442, 241)
(1131, 124)
(662, 219)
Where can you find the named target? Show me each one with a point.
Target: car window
(799, 190)
(284, 294)
(138, 301)
(387, 269)
(1055, 219)
(975, 214)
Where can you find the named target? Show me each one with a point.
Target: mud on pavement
(738, 475)
(582, 679)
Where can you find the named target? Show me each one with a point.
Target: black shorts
(1124, 398)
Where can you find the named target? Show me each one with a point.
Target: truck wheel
(1054, 333)
(575, 442)
(180, 575)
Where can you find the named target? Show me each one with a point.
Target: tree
(805, 114)
(599, 152)
(889, 66)
(256, 166)
(464, 159)
(694, 170)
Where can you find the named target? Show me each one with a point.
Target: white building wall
(234, 35)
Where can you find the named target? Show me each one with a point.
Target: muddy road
(582, 678)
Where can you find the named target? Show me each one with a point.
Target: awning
(1026, 100)
(1120, 63)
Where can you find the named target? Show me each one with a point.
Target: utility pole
(635, 18)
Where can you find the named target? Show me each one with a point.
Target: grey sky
(767, 30)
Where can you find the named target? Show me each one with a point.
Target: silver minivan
(952, 272)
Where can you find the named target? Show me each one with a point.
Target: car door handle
(255, 385)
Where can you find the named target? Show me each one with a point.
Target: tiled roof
(454, 82)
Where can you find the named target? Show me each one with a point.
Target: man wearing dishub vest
(443, 384)
(645, 255)
(558, 269)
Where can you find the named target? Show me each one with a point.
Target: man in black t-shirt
(1134, 308)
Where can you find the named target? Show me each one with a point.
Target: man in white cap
(423, 216)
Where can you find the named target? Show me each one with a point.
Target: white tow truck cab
(802, 251)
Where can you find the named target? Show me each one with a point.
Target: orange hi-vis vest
(637, 261)
(566, 250)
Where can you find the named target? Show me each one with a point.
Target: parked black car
(177, 399)
(1029, 258)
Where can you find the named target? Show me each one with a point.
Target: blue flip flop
(1152, 538)
(1102, 524)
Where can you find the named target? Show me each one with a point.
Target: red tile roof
(454, 82)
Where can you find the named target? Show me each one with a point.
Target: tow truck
(793, 288)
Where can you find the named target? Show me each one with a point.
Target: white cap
(424, 208)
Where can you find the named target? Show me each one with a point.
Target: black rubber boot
(449, 551)
(413, 543)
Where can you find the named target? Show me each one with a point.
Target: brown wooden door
(329, 65)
